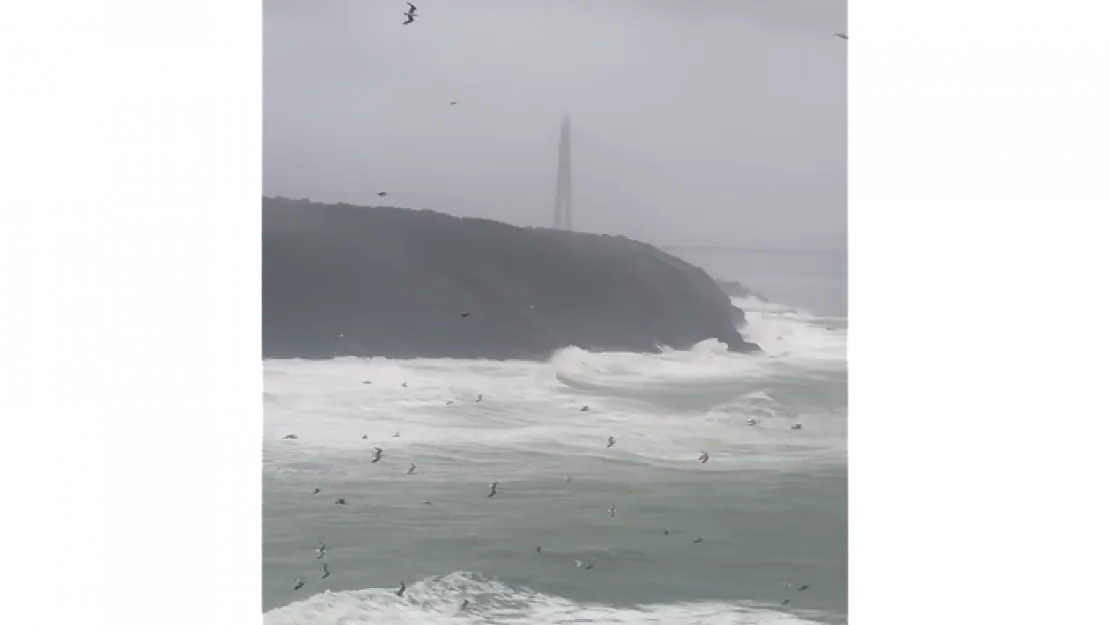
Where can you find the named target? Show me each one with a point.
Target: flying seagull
(612, 441)
(842, 36)
(465, 315)
(341, 501)
(492, 489)
(320, 551)
(612, 511)
(324, 572)
(380, 194)
(401, 591)
(454, 103)
(299, 583)
(411, 15)
(315, 491)
(412, 469)
(704, 457)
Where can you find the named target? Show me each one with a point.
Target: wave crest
(438, 600)
(576, 363)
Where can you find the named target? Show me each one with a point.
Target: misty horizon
(665, 149)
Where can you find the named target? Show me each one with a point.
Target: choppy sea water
(770, 505)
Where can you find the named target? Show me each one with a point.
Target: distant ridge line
(732, 248)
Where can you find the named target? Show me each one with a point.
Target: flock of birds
(299, 582)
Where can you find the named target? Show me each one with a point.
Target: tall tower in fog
(563, 207)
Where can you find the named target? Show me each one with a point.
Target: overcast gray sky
(718, 122)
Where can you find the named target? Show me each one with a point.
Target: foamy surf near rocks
(342, 280)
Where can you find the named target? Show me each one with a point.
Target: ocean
(769, 506)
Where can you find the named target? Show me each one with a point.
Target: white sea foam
(649, 401)
(439, 600)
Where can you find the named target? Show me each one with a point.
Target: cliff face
(395, 283)
(733, 288)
